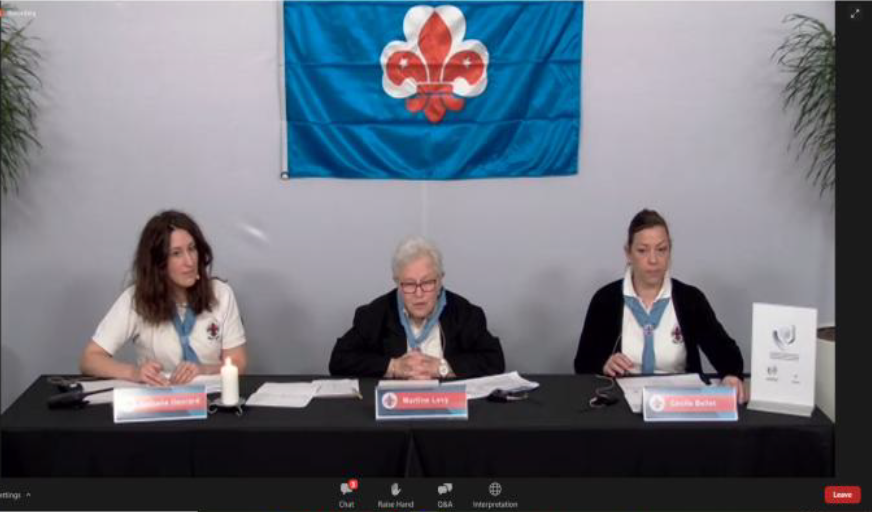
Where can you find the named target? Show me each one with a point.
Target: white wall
(169, 104)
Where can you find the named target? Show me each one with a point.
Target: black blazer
(377, 335)
(699, 327)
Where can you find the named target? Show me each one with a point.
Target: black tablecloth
(552, 433)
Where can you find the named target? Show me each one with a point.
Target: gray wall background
(154, 105)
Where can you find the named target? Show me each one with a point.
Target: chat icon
(349, 486)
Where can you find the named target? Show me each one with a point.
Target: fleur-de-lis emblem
(434, 65)
(389, 400)
(677, 337)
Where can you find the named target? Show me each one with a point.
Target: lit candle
(229, 383)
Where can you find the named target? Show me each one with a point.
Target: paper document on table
(337, 388)
(105, 398)
(632, 386)
(393, 384)
(285, 394)
(483, 386)
(211, 382)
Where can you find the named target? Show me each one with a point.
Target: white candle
(229, 383)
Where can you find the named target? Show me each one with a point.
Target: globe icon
(495, 489)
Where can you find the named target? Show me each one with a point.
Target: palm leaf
(808, 55)
(18, 109)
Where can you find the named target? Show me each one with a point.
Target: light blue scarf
(415, 341)
(183, 329)
(648, 322)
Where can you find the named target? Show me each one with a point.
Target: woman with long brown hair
(181, 321)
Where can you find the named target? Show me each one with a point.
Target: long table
(552, 433)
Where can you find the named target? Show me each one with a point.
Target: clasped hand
(415, 365)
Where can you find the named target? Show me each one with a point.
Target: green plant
(809, 55)
(18, 81)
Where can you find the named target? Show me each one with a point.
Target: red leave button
(842, 494)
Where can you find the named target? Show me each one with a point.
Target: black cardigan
(377, 335)
(699, 327)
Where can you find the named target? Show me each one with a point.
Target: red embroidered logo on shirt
(213, 331)
(677, 338)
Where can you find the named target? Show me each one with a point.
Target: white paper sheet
(105, 398)
(212, 383)
(295, 395)
(483, 386)
(337, 388)
(632, 386)
(393, 384)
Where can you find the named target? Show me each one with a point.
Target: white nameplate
(447, 401)
(131, 405)
(690, 404)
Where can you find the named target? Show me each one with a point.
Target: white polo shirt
(670, 354)
(213, 331)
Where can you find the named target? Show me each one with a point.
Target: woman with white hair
(419, 330)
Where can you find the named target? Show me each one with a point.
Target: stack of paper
(483, 386)
(286, 394)
(105, 398)
(394, 384)
(341, 388)
(212, 383)
(475, 388)
(632, 386)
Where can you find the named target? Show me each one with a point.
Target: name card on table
(447, 401)
(690, 404)
(783, 346)
(131, 405)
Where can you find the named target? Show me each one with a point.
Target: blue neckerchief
(648, 322)
(415, 341)
(183, 329)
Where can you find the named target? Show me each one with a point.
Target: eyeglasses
(425, 286)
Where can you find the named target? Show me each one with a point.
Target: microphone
(601, 397)
(614, 349)
(71, 399)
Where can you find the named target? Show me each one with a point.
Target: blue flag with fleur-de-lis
(432, 91)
